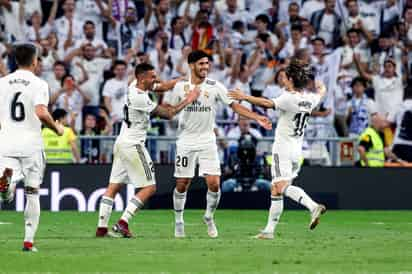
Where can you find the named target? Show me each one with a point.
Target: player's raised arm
(168, 112)
(261, 120)
(237, 94)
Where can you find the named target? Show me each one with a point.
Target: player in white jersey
(295, 108)
(23, 107)
(132, 163)
(196, 141)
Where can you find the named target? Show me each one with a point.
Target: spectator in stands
(12, 14)
(231, 13)
(360, 108)
(35, 32)
(95, 66)
(295, 42)
(90, 37)
(326, 24)
(179, 35)
(389, 16)
(243, 128)
(60, 149)
(69, 26)
(130, 35)
(402, 144)
(388, 86)
(311, 6)
(55, 82)
(95, 11)
(371, 146)
(90, 148)
(71, 98)
(114, 94)
(387, 48)
(157, 18)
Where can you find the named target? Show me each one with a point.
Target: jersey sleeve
(142, 102)
(107, 89)
(282, 102)
(222, 94)
(41, 96)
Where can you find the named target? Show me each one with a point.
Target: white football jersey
(20, 133)
(197, 120)
(295, 109)
(136, 116)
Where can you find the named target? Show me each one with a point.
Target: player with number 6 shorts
(132, 163)
(196, 141)
(295, 106)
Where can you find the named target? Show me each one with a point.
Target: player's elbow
(41, 112)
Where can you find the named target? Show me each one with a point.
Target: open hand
(237, 94)
(264, 122)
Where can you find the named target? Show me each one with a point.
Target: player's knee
(182, 185)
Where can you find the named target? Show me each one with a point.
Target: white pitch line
(5, 223)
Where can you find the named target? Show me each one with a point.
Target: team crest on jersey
(186, 88)
(206, 94)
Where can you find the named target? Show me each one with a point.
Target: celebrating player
(23, 100)
(196, 142)
(132, 163)
(295, 107)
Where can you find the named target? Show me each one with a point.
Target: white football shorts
(187, 158)
(284, 167)
(28, 169)
(132, 165)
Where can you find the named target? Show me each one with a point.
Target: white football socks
(212, 201)
(299, 195)
(105, 210)
(275, 211)
(31, 216)
(132, 207)
(179, 201)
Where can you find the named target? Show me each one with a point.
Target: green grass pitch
(344, 242)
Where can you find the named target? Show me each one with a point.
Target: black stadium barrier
(79, 187)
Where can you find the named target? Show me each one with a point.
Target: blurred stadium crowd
(359, 48)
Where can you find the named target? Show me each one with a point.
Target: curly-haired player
(295, 107)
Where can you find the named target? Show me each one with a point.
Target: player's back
(20, 133)
(295, 109)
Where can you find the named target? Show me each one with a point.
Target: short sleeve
(107, 89)
(282, 102)
(142, 102)
(41, 96)
(71, 136)
(375, 81)
(222, 94)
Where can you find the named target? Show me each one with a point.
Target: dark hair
(352, 30)
(297, 27)
(174, 20)
(293, 4)
(59, 63)
(264, 18)
(237, 25)
(59, 113)
(196, 55)
(119, 63)
(320, 39)
(348, 1)
(359, 80)
(25, 54)
(89, 22)
(142, 68)
(64, 78)
(263, 36)
(299, 73)
(277, 75)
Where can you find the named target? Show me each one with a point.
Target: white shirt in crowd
(11, 21)
(116, 90)
(388, 93)
(44, 31)
(21, 91)
(138, 108)
(327, 25)
(403, 119)
(72, 103)
(310, 7)
(62, 29)
(94, 68)
(89, 11)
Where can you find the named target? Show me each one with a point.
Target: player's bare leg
(105, 209)
(275, 211)
(212, 202)
(179, 201)
(31, 217)
(133, 206)
(299, 195)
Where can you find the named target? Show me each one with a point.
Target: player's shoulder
(211, 83)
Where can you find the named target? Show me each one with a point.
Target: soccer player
(23, 106)
(196, 142)
(132, 163)
(295, 107)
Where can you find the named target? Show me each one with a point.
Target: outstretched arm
(258, 101)
(168, 112)
(261, 120)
